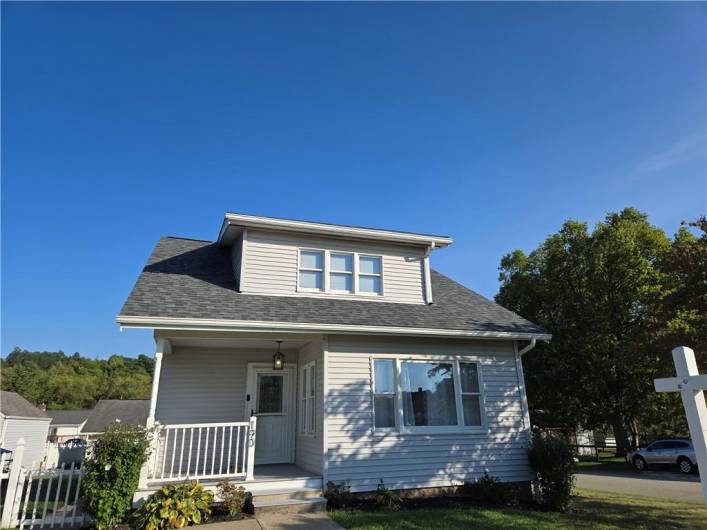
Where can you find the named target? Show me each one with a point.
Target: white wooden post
(7, 518)
(251, 448)
(163, 346)
(691, 386)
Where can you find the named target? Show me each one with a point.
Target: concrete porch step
(307, 505)
(283, 494)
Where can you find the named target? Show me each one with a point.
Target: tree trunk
(620, 433)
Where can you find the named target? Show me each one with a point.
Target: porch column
(163, 346)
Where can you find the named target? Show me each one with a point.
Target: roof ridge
(188, 239)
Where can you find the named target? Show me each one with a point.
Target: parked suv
(669, 451)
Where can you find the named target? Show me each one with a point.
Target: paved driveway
(653, 483)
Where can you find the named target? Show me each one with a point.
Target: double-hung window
(311, 270)
(341, 272)
(369, 274)
(433, 396)
(308, 393)
(384, 393)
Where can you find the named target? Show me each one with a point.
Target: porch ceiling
(256, 344)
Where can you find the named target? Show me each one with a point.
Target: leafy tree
(616, 301)
(71, 381)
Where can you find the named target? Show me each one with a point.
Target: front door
(270, 397)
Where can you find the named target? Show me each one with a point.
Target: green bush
(337, 495)
(552, 458)
(489, 490)
(112, 467)
(232, 498)
(174, 506)
(386, 498)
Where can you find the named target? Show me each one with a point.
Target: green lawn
(590, 509)
(615, 463)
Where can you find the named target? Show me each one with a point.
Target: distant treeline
(72, 381)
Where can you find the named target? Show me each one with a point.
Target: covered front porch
(221, 409)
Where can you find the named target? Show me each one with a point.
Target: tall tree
(598, 293)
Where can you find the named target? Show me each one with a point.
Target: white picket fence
(42, 498)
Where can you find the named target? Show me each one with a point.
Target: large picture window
(433, 396)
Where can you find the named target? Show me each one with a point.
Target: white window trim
(307, 427)
(400, 426)
(326, 271)
(323, 270)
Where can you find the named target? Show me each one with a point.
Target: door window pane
(428, 394)
(384, 411)
(269, 394)
(383, 376)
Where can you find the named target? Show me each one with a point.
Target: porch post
(163, 346)
(250, 463)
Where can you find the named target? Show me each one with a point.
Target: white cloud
(678, 153)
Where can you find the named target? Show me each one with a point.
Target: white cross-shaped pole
(691, 385)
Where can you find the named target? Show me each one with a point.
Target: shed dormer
(285, 257)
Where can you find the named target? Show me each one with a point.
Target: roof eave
(269, 223)
(189, 324)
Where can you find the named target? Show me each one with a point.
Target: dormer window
(326, 271)
(311, 270)
(341, 272)
(369, 274)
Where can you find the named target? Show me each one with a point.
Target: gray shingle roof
(186, 278)
(68, 417)
(107, 411)
(13, 404)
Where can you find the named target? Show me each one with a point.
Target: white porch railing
(203, 451)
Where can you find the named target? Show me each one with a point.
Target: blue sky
(492, 123)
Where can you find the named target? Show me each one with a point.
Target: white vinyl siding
(362, 455)
(272, 266)
(309, 452)
(34, 431)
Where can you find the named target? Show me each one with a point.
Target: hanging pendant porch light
(278, 360)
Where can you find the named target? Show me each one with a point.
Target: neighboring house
(67, 424)
(387, 370)
(110, 411)
(20, 419)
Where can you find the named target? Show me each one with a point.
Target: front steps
(292, 500)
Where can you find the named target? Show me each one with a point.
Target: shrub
(112, 473)
(232, 497)
(488, 489)
(386, 498)
(337, 495)
(174, 506)
(552, 458)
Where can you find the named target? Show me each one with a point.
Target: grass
(590, 509)
(613, 463)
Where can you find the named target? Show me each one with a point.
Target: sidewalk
(294, 521)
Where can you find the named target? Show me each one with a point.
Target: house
(110, 411)
(293, 353)
(20, 419)
(66, 424)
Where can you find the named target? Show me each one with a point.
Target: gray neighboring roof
(13, 404)
(107, 411)
(68, 417)
(186, 278)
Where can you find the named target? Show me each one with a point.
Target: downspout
(428, 275)
(521, 386)
(528, 347)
